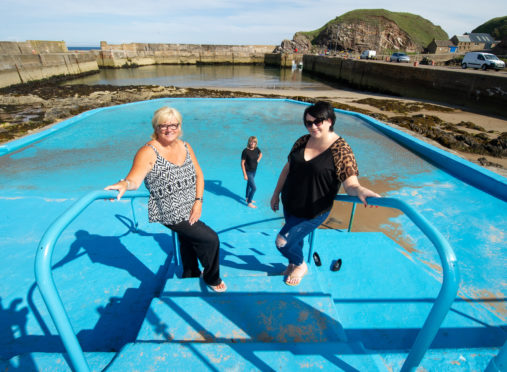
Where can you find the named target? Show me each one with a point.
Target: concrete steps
(252, 310)
(331, 356)
(260, 323)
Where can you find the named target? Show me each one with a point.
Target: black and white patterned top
(172, 190)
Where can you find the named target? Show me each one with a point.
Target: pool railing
(44, 276)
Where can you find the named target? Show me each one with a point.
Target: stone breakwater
(23, 62)
(141, 54)
(482, 92)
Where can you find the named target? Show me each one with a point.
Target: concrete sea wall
(479, 91)
(283, 60)
(140, 54)
(22, 62)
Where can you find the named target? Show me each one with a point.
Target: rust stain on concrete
(492, 301)
(433, 265)
(495, 235)
(372, 219)
(303, 316)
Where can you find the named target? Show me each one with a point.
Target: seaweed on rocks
(448, 135)
(402, 107)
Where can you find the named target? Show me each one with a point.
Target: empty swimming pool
(44, 174)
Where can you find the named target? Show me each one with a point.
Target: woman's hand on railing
(120, 186)
(364, 193)
(353, 188)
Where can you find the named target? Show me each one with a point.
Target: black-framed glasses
(168, 126)
(317, 122)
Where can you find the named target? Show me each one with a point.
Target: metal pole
(352, 213)
(311, 242)
(498, 363)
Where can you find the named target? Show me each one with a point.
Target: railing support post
(499, 362)
(311, 243)
(352, 213)
(176, 251)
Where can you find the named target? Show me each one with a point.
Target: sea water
(193, 76)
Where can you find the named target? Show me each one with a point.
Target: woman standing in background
(250, 158)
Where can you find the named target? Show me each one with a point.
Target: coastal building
(441, 46)
(473, 41)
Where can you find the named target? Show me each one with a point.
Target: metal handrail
(499, 362)
(44, 276)
(450, 281)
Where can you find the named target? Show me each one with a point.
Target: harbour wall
(482, 92)
(141, 54)
(283, 59)
(22, 62)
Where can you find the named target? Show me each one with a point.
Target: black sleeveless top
(310, 186)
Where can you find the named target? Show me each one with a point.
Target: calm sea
(194, 76)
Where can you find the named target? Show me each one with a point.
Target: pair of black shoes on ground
(334, 267)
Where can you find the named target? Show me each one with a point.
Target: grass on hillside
(418, 28)
(496, 27)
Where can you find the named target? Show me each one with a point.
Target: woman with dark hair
(317, 165)
(175, 181)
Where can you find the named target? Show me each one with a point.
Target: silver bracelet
(128, 182)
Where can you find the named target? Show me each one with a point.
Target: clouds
(210, 22)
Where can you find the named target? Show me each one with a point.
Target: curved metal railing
(44, 276)
(450, 281)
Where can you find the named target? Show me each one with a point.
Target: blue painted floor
(130, 310)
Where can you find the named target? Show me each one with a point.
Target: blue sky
(81, 23)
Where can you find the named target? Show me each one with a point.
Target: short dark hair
(321, 110)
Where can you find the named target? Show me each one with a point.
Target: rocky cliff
(360, 35)
(376, 29)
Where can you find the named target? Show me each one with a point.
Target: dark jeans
(198, 242)
(293, 232)
(250, 186)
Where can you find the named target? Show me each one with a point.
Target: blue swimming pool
(44, 174)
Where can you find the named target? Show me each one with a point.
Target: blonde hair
(251, 138)
(164, 114)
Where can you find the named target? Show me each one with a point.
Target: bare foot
(251, 205)
(288, 270)
(222, 287)
(297, 274)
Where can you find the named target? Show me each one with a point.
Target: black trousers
(198, 242)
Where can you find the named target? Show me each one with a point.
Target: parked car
(399, 57)
(481, 60)
(368, 54)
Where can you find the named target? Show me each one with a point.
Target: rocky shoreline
(30, 107)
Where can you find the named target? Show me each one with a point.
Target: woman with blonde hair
(172, 175)
(250, 158)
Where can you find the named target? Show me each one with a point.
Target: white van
(482, 60)
(368, 54)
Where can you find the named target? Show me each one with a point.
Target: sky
(237, 22)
